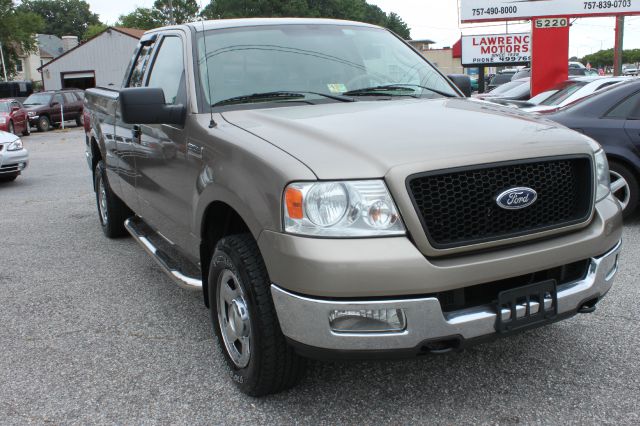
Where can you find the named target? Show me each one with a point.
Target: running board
(183, 272)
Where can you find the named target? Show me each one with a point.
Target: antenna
(212, 122)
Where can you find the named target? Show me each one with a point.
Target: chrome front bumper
(13, 161)
(306, 320)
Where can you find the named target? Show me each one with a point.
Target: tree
(161, 14)
(357, 10)
(142, 18)
(62, 17)
(17, 33)
(93, 30)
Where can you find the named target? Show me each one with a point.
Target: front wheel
(12, 128)
(112, 211)
(80, 120)
(27, 130)
(245, 321)
(624, 187)
(44, 124)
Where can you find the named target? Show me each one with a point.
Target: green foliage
(356, 10)
(93, 30)
(160, 14)
(62, 17)
(17, 33)
(605, 57)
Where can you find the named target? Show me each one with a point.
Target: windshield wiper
(397, 87)
(280, 95)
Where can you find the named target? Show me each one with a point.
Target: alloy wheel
(620, 189)
(233, 318)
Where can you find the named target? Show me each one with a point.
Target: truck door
(56, 107)
(128, 140)
(167, 173)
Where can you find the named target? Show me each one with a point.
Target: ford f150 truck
(332, 194)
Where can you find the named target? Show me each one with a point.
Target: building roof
(50, 45)
(131, 32)
(423, 41)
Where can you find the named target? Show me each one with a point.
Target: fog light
(367, 321)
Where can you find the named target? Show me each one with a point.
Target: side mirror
(463, 82)
(55, 104)
(146, 105)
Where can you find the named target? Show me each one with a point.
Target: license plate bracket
(526, 306)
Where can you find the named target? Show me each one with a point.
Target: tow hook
(588, 307)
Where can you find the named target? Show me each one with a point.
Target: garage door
(79, 80)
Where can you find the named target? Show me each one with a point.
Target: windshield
(501, 78)
(4, 107)
(320, 59)
(562, 95)
(38, 99)
(506, 87)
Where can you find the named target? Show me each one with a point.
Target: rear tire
(44, 124)
(27, 130)
(245, 321)
(112, 211)
(625, 188)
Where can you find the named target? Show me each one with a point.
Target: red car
(13, 117)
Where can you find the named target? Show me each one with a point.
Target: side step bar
(183, 272)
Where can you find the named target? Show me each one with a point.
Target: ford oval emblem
(517, 198)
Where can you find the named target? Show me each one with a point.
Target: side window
(15, 104)
(68, 97)
(58, 98)
(140, 66)
(627, 109)
(167, 72)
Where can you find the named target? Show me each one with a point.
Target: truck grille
(458, 207)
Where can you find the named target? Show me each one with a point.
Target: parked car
(630, 70)
(18, 90)
(612, 117)
(14, 158)
(331, 210)
(502, 77)
(50, 108)
(583, 72)
(572, 90)
(13, 117)
(516, 90)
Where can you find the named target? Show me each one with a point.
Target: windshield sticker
(337, 88)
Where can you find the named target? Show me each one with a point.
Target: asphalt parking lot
(91, 331)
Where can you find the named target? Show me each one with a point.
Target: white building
(100, 61)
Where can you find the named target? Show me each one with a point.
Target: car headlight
(602, 175)
(15, 145)
(3, 120)
(341, 209)
(31, 113)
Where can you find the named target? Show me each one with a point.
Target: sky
(438, 20)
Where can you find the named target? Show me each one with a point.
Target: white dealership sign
(495, 49)
(497, 10)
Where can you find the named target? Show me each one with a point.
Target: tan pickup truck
(332, 194)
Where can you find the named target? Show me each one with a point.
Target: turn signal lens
(293, 199)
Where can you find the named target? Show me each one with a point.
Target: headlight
(602, 174)
(15, 145)
(31, 113)
(3, 120)
(341, 209)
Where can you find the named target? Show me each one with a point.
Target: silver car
(14, 158)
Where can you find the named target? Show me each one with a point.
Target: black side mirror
(146, 105)
(462, 82)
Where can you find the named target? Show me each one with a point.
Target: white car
(631, 70)
(569, 92)
(14, 158)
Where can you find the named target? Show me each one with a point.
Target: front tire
(44, 124)
(112, 211)
(27, 130)
(624, 187)
(80, 120)
(12, 128)
(8, 178)
(245, 321)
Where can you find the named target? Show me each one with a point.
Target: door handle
(136, 133)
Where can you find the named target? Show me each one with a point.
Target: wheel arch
(219, 220)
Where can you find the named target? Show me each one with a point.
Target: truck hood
(367, 139)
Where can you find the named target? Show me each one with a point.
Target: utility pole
(617, 51)
(4, 68)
